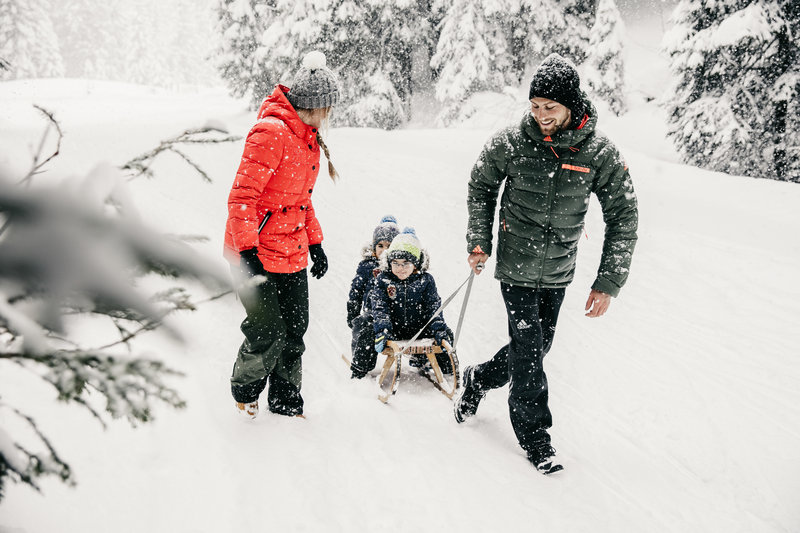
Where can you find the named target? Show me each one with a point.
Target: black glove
(319, 259)
(353, 311)
(443, 335)
(250, 263)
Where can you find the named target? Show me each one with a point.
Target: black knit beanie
(556, 79)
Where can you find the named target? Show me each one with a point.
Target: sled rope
(463, 309)
(445, 303)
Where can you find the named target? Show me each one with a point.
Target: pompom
(315, 59)
(388, 218)
(409, 230)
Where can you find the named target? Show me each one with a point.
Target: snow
(677, 411)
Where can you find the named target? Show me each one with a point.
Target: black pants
(532, 316)
(363, 345)
(277, 320)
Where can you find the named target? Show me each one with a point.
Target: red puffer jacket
(274, 183)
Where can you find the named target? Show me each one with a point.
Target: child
(404, 298)
(366, 272)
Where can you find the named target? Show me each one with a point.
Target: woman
(271, 231)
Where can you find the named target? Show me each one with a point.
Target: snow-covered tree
(493, 44)
(604, 68)
(192, 41)
(371, 46)
(28, 43)
(139, 41)
(262, 43)
(539, 28)
(70, 260)
(734, 104)
(88, 38)
(579, 16)
(472, 52)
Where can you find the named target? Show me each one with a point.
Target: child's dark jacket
(362, 283)
(403, 307)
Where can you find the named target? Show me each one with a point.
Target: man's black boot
(543, 458)
(466, 405)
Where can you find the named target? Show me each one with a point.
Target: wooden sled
(396, 350)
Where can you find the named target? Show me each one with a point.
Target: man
(550, 163)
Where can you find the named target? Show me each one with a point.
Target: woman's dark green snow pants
(277, 319)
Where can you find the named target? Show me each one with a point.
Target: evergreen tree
(394, 63)
(190, 44)
(472, 52)
(149, 42)
(492, 44)
(539, 28)
(90, 38)
(734, 103)
(241, 23)
(263, 42)
(28, 42)
(579, 18)
(605, 73)
(370, 45)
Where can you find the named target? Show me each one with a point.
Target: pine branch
(191, 163)
(140, 165)
(84, 285)
(129, 386)
(38, 164)
(35, 464)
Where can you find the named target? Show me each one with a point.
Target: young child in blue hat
(358, 318)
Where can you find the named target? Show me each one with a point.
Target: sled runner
(392, 367)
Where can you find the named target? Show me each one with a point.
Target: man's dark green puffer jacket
(548, 181)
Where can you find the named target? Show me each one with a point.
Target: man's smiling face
(550, 115)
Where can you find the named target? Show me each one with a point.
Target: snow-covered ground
(679, 411)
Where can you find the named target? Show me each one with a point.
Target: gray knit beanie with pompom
(314, 85)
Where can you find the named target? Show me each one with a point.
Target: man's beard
(555, 126)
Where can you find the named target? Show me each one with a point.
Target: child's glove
(380, 341)
(320, 260)
(250, 263)
(350, 319)
(443, 335)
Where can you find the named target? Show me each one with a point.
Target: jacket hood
(366, 252)
(563, 138)
(278, 106)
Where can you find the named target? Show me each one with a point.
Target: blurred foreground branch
(70, 264)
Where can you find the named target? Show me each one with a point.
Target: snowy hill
(679, 411)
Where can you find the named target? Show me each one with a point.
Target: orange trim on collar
(548, 139)
(583, 122)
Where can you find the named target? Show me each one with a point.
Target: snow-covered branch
(141, 165)
(66, 256)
